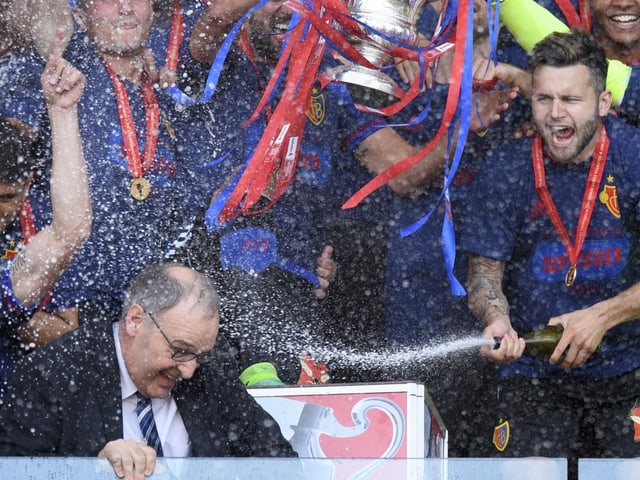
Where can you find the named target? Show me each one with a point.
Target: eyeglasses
(180, 355)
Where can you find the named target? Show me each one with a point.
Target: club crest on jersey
(11, 251)
(609, 196)
(317, 109)
(634, 416)
(501, 434)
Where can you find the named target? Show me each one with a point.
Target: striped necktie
(148, 424)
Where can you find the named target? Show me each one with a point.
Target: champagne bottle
(539, 343)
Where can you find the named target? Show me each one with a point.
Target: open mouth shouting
(561, 135)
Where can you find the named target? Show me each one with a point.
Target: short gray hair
(157, 289)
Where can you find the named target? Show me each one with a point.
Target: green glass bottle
(540, 343)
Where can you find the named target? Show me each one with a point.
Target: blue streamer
(292, 267)
(449, 250)
(211, 216)
(494, 28)
(465, 111)
(216, 67)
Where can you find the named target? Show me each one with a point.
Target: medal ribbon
(576, 20)
(138, 166)
(588, 201)
(175, 37)
(26, 220)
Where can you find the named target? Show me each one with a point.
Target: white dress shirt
(171, 429)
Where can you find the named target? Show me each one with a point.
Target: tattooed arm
(489, 305)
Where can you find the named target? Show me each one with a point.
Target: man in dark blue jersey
(130, 142)
(557, 242)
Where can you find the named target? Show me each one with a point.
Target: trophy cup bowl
(395, 19)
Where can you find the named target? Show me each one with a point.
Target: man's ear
(604, 103)
(134, 319)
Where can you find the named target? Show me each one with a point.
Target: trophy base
(367, 86)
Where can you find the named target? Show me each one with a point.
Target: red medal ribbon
(138, 166)
(581, 20)
(175, 37)
(588, 200)
(26, 220)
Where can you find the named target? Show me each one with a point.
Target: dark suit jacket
(65, 399)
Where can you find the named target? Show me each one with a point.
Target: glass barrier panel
(609, 468)
(67, 468)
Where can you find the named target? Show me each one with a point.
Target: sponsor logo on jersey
(599, 259)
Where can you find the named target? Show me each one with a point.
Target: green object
(541, 343)
(261, 374)
(529, 22)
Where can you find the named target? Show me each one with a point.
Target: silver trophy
(395, 19)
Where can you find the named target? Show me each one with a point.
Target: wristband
(11, 299)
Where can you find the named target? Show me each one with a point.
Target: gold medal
(140, 188)
(571, 275)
